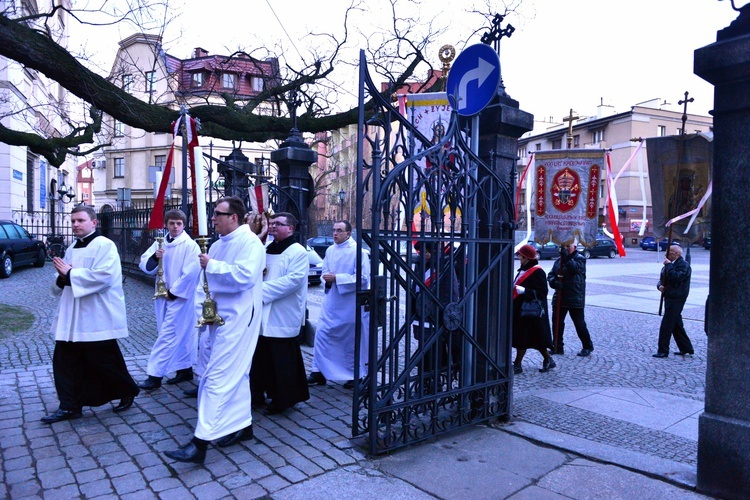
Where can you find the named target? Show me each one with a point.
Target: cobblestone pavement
(108, 454)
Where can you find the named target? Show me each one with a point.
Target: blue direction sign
(473, 79)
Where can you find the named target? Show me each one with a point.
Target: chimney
(199, 52)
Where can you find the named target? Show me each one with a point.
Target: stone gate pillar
(724, 426)
(296, 189)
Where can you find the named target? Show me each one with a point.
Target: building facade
(30, 102)
(620, 133)
(145, 70)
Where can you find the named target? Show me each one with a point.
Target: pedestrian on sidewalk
(278, 370)
(674, 284)
(333, 353)
(568, 278)
(234, 272)
(87, 363)
(530, 333)
(175, 348)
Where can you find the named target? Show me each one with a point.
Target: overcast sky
(564, 53)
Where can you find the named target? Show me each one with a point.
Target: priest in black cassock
(87, 363)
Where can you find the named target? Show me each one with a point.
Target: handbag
(532, 308)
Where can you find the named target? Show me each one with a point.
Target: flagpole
(183, 131)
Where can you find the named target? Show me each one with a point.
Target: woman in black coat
(530, 333)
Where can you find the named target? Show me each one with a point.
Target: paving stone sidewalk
(108, 454)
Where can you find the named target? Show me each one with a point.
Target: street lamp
(56, 195)
(342, 198)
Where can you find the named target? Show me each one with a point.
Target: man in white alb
(333, 357)
(175, 346)
(234, 271)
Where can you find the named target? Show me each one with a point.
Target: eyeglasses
(276, 224)
(217, 213)
(340, 231)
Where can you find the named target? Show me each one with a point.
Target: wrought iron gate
(438, 336)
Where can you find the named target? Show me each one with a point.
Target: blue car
(649, 243)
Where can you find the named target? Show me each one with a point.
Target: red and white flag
(259, 198)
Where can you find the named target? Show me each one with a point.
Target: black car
(549, 250)
(605, 247)
(18, 248)
(320, 244)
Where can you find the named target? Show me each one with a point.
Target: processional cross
(684, 102)
(570, 119)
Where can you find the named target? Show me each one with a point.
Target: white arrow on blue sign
(473, 80)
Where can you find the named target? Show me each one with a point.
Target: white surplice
(235, 277)
(285, 292)
(334, 338)
(175, 347)
(92, 308)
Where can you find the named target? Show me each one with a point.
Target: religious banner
(566, 197)
(430, 113)
(679, 170)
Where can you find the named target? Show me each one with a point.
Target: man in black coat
(674, 284)
(568, 278)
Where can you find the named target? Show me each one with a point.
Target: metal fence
(126, 227)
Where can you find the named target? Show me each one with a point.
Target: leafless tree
(399, 52)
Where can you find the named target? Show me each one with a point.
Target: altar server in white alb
(333, 357)
(175, 348)
(87, 363)
(234, 271)
(278, 369)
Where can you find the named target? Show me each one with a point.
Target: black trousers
(671, 324)
(576, 314)
(90, 374)
(278, 371)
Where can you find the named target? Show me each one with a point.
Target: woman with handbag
(531, 328)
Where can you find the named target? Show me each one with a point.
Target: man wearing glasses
(234, 272)
(333, 357)
(278, 369)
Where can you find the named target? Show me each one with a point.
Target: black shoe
(547, 365)
(185, 375)
(316, 378)
(125, 403)
(584, 352)
(273, 410)
(191, 393)
(661, 355)
(685, 353)
(234, 438)
(150, 383)
(517, 369)
(349, 384)
(559, 351)
(188, 453)
(61, 415)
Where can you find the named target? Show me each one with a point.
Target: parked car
(18, 248)
(320, 244)
(605, 247)
(316, 267)
(549, 250)
(649, 243)
(707, 243)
